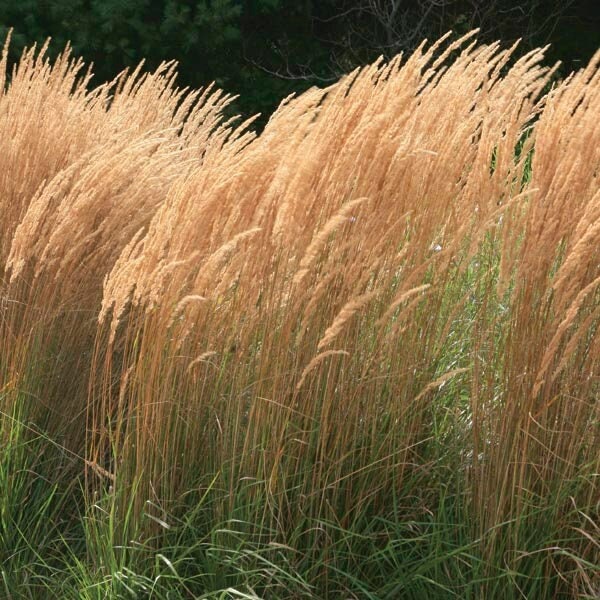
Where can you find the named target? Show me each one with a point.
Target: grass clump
(352, 357)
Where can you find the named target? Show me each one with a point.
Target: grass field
(355, 356)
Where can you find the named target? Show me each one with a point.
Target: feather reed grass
(172, 285)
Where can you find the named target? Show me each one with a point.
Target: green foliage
(36, 508)
(264, 50)
(209, 39)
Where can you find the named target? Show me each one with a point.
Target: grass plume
(171, 288)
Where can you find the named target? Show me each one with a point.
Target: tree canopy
(265, 49)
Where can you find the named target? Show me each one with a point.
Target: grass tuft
(355, 356)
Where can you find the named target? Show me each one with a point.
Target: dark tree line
(266, 49)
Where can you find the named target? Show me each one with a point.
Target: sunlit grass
(353, 357)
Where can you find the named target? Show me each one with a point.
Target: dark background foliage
(265, 49)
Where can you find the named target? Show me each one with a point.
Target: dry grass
(184, 300)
